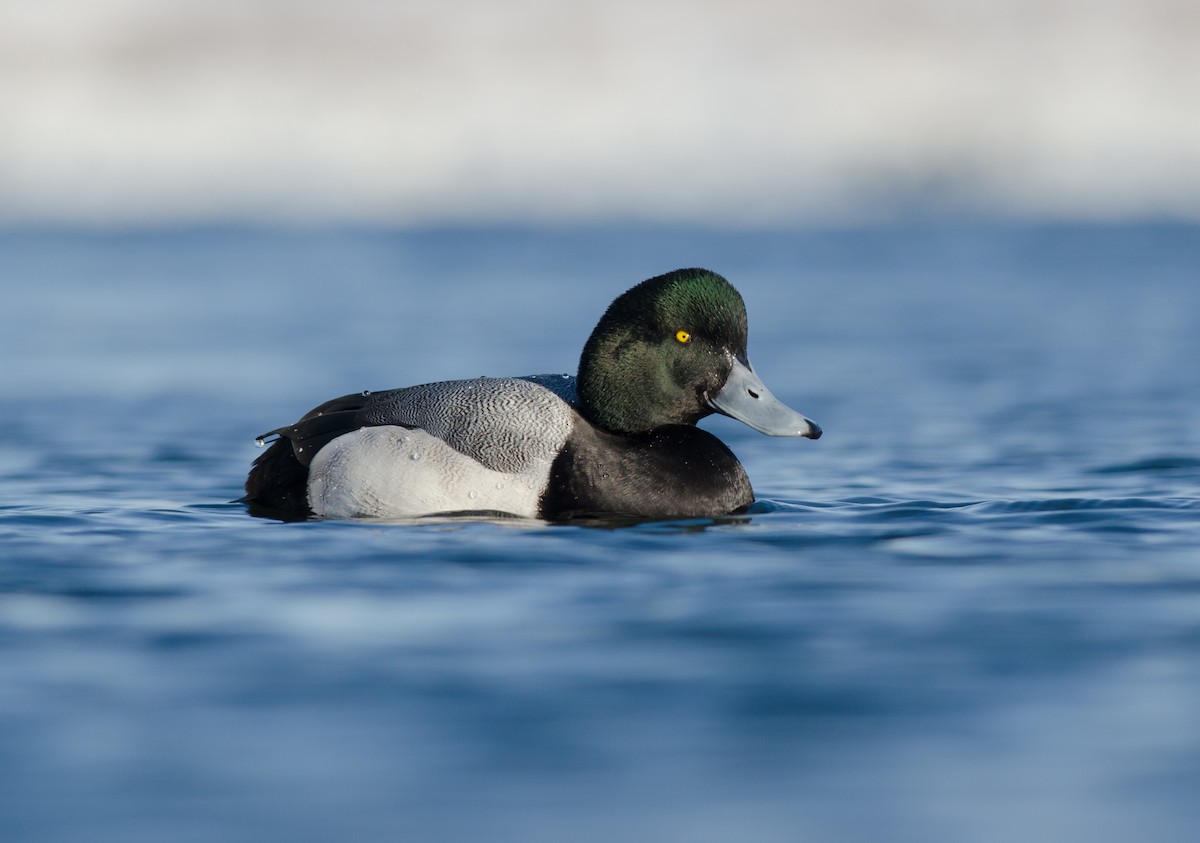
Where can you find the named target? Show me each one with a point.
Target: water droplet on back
(414, 456)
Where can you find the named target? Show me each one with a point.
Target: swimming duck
(618, 440)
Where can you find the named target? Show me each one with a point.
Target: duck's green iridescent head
(672, 350)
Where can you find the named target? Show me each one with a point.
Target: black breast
(675, 471)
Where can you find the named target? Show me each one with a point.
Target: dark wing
(321, 425)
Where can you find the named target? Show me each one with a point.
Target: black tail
(278, 484)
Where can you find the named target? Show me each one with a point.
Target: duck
(617, 440)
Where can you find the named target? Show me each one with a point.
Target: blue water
(970, 612)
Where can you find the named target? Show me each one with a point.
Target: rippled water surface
(970, 612)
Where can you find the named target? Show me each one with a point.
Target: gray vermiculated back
(506, 424)
(561, 385)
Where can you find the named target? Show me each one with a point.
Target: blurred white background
(754, 112)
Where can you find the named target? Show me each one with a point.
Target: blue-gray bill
(745, 398)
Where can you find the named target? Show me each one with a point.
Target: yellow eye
(683, 336)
